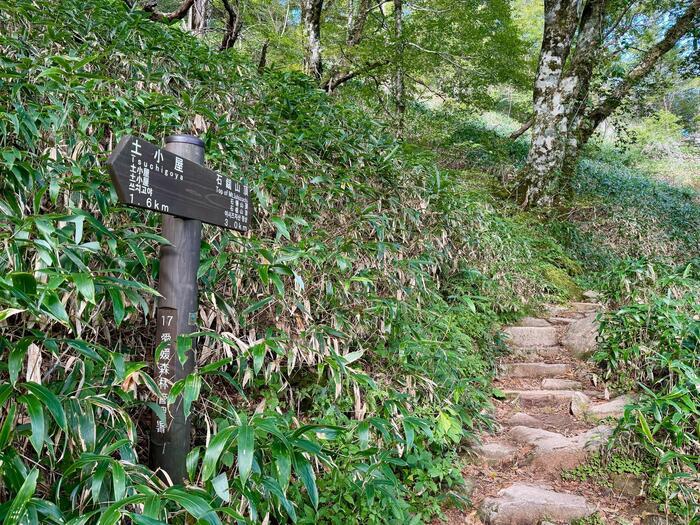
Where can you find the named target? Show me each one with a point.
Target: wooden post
(176, 315)
(174, 182)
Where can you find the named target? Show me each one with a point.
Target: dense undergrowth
(348, 338)
(650, 342)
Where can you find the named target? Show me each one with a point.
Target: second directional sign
(149, 177)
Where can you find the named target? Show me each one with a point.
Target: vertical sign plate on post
(166, 335)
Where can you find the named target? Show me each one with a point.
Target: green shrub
(652, 341)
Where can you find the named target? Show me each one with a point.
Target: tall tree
(578, 37)
(348, 66)
(311, 27)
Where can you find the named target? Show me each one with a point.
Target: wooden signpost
(173, 181)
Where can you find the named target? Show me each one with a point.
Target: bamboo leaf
(195, 505)
(18, 506)
(304, 470)
(246, 447)
(220, 486)
(214, 450)
(9, 312)
(49, 399)
(7, 426)
(281, 226)
(85, 285)
(55, 307)
(36, 421)
(193, 385)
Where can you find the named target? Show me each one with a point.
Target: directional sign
(149, 177)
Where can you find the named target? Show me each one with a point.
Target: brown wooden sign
(149, 177)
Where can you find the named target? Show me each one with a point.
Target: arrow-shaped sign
(149, 177)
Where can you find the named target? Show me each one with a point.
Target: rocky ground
(553, 416)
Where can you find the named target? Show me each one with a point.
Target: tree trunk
(357, 16)
(262, 62)
(537, 185)
(399, 84)
(201, 14)
(345, 71)
(311, 24)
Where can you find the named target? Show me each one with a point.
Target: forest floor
(540, 464)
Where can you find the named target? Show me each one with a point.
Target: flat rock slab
(582, 407)
(555, 451)
(529, 336)
(546, 441)
(541, 396)
(494, 453)
(561, 384)
(580, 337)
(526, 504)
(536, 369)
(523, 420)
(533, 321)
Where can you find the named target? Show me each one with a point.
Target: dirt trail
(514, 477)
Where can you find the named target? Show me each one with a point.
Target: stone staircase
(548, 421)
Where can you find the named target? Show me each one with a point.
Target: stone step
(561, 320)
(582, 407)
(530, 336)
(533, 354)
(554, 451)
(494, 453)
(561, 384)
(528, 504)
(535, 369)
(539, 397)
(533, 322)
(580, 337)
(585, 307)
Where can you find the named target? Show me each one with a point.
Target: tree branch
(152, 7)
(234, 24)
(683, 24)
(522, 129)
(333, 82)
(617, 22)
